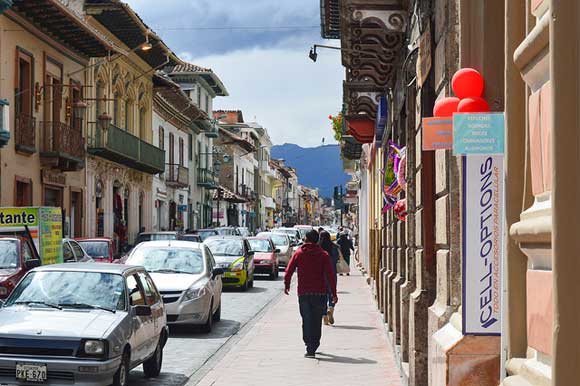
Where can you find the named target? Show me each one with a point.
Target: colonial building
(202, 85)
(46, 51)
(122, 157)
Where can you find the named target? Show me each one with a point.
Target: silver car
(187, 277)
(282, 242)
(81, 324)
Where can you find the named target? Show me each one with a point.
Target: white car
(186, 275)
(283, 243)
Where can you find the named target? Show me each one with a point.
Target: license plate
(33, 372)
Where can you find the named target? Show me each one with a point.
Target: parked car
(265, 256)
(18, 257)
(234, 255)
(282, 242)
(204, 233)
(187, 277)
(244, 231)
(101, 249)
(152, 236)
(190, 237)
(227, 231)
(303, 229)
(292, 232)
(86, 324)
(72, 252)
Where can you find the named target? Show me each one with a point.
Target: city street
(188, 349)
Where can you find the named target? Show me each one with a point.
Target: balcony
(25, 134)
(61, 146)
(176, 176)
(212, 132)
(122, 147)
(207, 178)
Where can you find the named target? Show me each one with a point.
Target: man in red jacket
(314, 271)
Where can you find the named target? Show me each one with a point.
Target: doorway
(76, 215)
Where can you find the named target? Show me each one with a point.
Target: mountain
(317, 167)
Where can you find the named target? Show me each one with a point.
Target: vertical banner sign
(483, 181)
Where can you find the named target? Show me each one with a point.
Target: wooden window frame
(23, 180)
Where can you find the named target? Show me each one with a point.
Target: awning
(224, 194)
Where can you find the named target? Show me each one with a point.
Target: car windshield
(69, 288)
(303, 232)
(258, 245)
(224, 247)
(205, 234)
(96, 248)
(168, 259)
(278, 239)
(157, 236)
(194, 238)
(9, 256)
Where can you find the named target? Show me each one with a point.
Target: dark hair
(312, 236)
(321, 229)
(325, 242)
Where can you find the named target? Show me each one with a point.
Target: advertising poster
(478, 133)
(483, 190)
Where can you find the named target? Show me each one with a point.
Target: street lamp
(313, 55)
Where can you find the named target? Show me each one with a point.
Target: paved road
(187, 349)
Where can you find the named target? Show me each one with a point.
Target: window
(181, 151)
(199, 154)
(24, 86)
(27, 252)
(78, 251)
(171, 149)
(190, 146)
(67, 253)
(136, 297)
(150, 294)
(161, 138)
(207, 103)
(199, 97)
(23, 192)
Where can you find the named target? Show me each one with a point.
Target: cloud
(267, 72)
(172, 20)
(286, 92)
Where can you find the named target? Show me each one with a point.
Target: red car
(18, 257)
(265, 256)
(101, 249)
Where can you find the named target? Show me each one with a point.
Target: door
(76, 216)
(215, 282)
(140, 324)
(155, 324)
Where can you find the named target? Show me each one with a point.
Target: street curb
(216, 357)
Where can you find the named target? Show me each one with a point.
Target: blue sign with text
(478, 133)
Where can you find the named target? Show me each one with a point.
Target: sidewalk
(354, 352)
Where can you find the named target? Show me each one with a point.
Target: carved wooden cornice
(359, 99)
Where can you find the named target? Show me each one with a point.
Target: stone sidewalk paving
(353, 352)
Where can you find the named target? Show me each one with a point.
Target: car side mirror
(30, 264)
(217, 272)
(142, 310)
(277, 250)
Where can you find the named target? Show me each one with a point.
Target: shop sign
(182, 208)
(478, 133)
(483, 196)
(437, 133)
(53, 177)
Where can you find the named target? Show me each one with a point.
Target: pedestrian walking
(314, 273)
(332, 249)
(346, 246)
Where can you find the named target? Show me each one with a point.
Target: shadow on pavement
(222, 329)
(165, 379)
(346, 360)
(360, 328)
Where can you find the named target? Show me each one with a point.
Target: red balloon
(467, 83)
(445, 107)
(473, 105)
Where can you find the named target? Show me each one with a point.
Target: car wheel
(121, 376)
(217, 316)
(251, 283)
(246, 284)
(152, 366)
(208, 326)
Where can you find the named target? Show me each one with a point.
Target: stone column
(108, 206)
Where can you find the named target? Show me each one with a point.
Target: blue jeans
(311, 309)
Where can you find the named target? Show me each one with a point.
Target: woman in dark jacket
(332, 250)
(346, 246)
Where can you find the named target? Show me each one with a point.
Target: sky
(266, 70)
